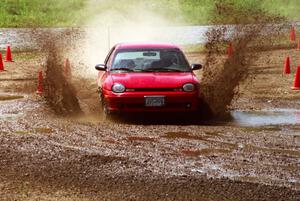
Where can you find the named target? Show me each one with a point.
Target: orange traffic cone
(229, 50)
(40, 83)
(287, 66)
(297, 80)
(1, 63)
(293, 34)
(67, 70)
(8, 57)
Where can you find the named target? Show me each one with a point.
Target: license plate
(154, 101)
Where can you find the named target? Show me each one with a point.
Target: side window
(109, 58)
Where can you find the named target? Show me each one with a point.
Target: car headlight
(189, 87)
(118, 88)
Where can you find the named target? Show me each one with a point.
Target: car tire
(106, 113)
(100, 95)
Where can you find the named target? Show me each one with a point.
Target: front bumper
(178, 101)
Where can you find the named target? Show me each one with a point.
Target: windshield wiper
(163, 70)
(122, 69)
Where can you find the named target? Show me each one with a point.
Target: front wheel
(106, 114)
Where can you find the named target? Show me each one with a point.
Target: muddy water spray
(59, 90)
(222, 75)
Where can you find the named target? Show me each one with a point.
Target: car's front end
(178, 98)
(141, 78)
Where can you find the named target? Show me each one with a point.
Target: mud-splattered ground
(46, 157)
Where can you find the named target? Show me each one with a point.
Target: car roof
(122, 46)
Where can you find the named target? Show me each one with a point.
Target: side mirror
(196, 66)
(100, 67)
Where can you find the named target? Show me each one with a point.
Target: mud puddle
(6, 112)
(272, 117)
(10, 116)
(205, 152)
(8, 97)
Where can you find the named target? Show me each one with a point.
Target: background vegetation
(61, 13)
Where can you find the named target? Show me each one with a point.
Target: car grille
(153, 89)
(168, 105)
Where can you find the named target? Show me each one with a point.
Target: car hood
(153, 80)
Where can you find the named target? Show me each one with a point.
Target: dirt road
(47, 157)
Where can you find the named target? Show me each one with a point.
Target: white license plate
(154, 101)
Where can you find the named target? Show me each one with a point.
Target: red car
(147, 78)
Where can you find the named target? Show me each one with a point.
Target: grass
(30, 13)
(287, 8)
(74, 13)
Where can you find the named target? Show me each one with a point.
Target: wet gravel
(47, 157)
(182, 162)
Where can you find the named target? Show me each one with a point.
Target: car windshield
(154, 60)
